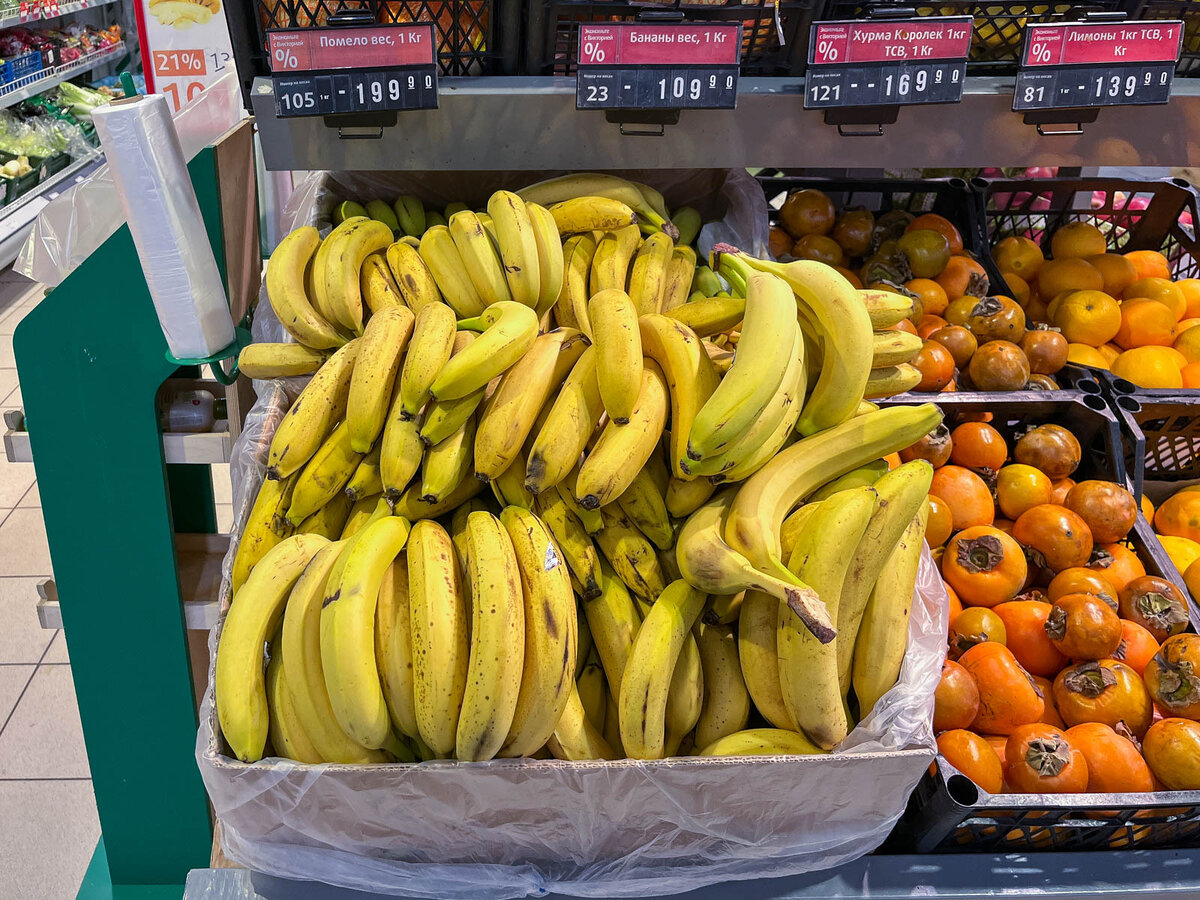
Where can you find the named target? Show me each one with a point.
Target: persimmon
(936, 366)
(1179, 515)
(974, 757)
(929, 324)
(1050, 714)
(1156, 604)
(1189, 376)
(854, 229)
(1137, 646)
(1039, 759)
(1020, 487)
(1061, 487)
(955, 700)
(779, 241)
(1080, 580)
(1117, 563)
(977, 445)
(959, 341)
(1018, 289)
(1104, 690)
(984, 565)
(942, 226)
(1051, 448)
(954, 607)
(1149, 264)
(1114, 764)
(1046, 350)
(1082, 626)
(999, 365)
(968, 495)
(975, 625)
(1173, 676)
(1018, 255)
(905, 325)
(1108, 509)
(1172, 750)
(935, 447)
(1077, 240)
(1057, 537)
(807, 212)
(1025, 635)
(997, 318)
(963, 276)
(959, 309)
(933, 297)
(1008, 697)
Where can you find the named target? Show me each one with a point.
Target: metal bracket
(656, 119)
(1075, 118)
(872, 117)
(845, 132)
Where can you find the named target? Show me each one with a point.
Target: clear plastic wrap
(517, 828)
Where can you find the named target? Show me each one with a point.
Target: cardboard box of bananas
(557, 488)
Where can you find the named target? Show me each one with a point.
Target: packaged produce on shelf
(57, 46)
(79, 101)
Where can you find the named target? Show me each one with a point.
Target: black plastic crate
(998, 29)
(774, 34)
(1189, 12)
(473, 37)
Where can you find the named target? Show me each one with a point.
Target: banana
(330, 519)
(494, 674)
(653, 199)
(762, 742)
(708, 283)
(433, 217)
(517, 238)
(685, 695)
(765, 499)
(366, 479)
(885, 308)
(509, 485)
(593, 691)
(571, 420)
(758, 656)
(581, 214)
(614, 254)
(410, 505)
(278, 360)
(361, 513)
(440, 623)
(443, 419)
(348, 209)
(447, 464)
(622, 450)
(646, 507)
(418, 288)
(430, 348)
(570, 306)
(902, 494)
(711, 315)
(679, 278)
(265, 527)
(726, 706)
(325, 475)
(252, 619)
(312, 416)
(374, 379)
(509, 414)
(452, 208)
(612, 725)
(883, 635)
(509, 330)
(892, 380)
(347, 251)
(643, 199)
(479, 257)
(401, 451)
(892, 348)
(318, 271)
(590, 518)
(572, 542)
(486, 221)
(651, 665)
(613, 620)
(551, 634)
(808, 675)
(410, 215)
(863, 476)
(379, 288)
(866, 406)
(288, 295)
(723, 609)
(348, 633)
(648, 279)
(287, 734)
(770, 328)
(618, 342)
(630, 554)
(575, 738)
(687, 220)
(381, 212)
(712, 565)
(393, 647)
(584, 643)
(685, 497)
(440, 254)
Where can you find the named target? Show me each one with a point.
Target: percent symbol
(287, 58)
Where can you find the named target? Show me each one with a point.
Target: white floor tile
(12, 681)
(50, 830)
(13, 399)
(8, 384)
(32, 498)
(15, 480)
(43, 738)
(58, 649)
(8, 359)
(22, 639)
(23, 549)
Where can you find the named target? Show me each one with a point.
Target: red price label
(384, 46)
(633, 44)
(930, 38)
(1084, 43)
(177, 63)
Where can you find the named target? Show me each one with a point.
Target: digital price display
(1082, 64)
(680, 65)
(333, 71)
(894, 62)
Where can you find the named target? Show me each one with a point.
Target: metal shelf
(45, 13)
(503, 123)
(36, 82)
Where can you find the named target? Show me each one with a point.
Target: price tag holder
(1081, 65)
(885, 63)
(661, 66)
(348, 71)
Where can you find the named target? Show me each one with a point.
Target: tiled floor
(47, 809)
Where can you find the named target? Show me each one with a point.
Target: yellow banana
(414, 280)
(412, 507)
(361, 513)
(401, 451)
(447, 464)
(723, 609)
(550, 256)
(581, 214)
(572, 542)
(278, 360)
(393, 647)
(570, 306)
(479, 257)
(591, 518)
(326, 475)
(366, 479)
(430, 348)
(647, 509)
(613, 620)
(442, 419)
(509, 485)
(374, 379)
(685, 497)
(684, 698)
(312, 416)
(758, 656)
(572, 418)
(593, 691)
(894, 347)
(284, 728)
(265, 527)
(618, 342)
(643, 199)
(509, 331)
(648, 279)
(288, 295)
(330, 519)
(892, 380)
(762, 742)
(863, 476)
(318, 270)
(630, 554)
(342, 267)
(440, 255)
(886, 308)
(517, 238)
(711, 315)
(614, 254)
(679, 278)
(575, 738)
(726, 706)
(379, 288)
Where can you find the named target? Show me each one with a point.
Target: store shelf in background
(1189, 12)
(36, 82)
(42, 12)
(194, 449)
(199, 557)
(16, 218)
(486, 124)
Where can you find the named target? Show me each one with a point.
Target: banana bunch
(557, 488)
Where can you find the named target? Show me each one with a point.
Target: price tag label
(1082, 64)
(331, 71)
(887, 63)
(685, 65)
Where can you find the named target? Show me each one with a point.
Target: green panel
(191, 492)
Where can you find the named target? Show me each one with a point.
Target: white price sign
(186, 43)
